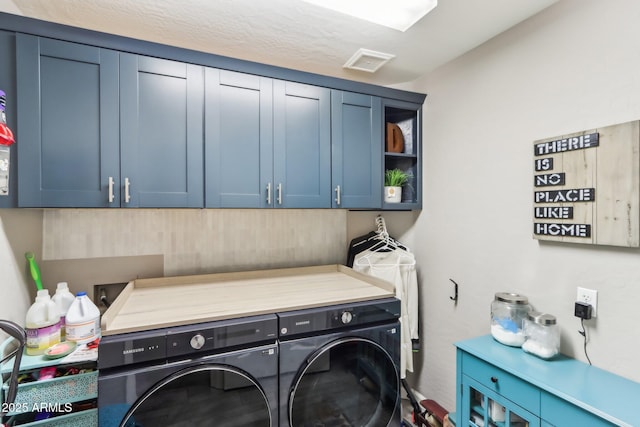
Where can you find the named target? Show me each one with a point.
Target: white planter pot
(393, 194)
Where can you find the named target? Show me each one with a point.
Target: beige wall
(196, 241)
(88, 247)
(95, 246)
(572, 67)
(20, 232)
(9, 7)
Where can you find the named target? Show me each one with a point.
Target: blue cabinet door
(67, 124)
(559, 412)
(483, 407)
(161, 119)
(238, 140)
(301, 145)
(356, 153)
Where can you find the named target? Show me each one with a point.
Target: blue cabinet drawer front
(501, 382)
(560, 413)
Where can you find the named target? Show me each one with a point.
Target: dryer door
(237, 388)
(204, 395)
(351, 381)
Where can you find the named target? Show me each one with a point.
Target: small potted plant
(394, 179)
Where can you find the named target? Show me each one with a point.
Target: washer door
(202, 395)
(348, 382)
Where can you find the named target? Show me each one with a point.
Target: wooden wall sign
(586, 187)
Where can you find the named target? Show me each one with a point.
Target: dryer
(338, 365)
(221, 373)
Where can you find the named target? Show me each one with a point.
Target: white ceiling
(292, 33)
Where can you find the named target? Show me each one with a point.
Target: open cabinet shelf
(406, 119)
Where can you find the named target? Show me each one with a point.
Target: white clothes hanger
(383, 235)
(397, 255)
(395, 258)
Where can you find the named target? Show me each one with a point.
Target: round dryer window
(202, 396)
(349, 382)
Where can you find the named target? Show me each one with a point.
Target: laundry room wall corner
(20, 232)
(569, 68)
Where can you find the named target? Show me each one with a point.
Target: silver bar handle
(268, 193)
(279, 193)
(111, 183)
(127, 195)
(338, 195)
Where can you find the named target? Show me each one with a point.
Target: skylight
(397, 14)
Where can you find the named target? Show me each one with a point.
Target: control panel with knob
(347, 317)
(197, 342)
(313, 320)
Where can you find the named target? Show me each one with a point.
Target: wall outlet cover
(588, 296)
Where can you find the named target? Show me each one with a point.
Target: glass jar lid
(542, 318)
(511, 298)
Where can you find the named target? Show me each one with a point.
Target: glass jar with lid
(542, 335)
(508, 312)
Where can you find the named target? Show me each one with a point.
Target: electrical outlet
(588, 296)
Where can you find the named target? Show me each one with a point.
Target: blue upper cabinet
(238, 139)
(67, 123)
(356, 155)
(403, 150)
(100, 128)
(128, 123)
(161, 119)
(268, 142)
(301, 145)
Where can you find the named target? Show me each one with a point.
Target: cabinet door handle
(268, 193)
(338, 195)
(279, 193)
(494, 379)
(127, 195)
(111, 196)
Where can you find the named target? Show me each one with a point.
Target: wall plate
(588, 296)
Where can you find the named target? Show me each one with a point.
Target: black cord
(583, 332)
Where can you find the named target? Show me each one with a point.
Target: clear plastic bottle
(83, 320)
(542, 336)
(63, 299)
(508, 312)
(42, 324)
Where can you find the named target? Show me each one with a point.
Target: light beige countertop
(147, 304)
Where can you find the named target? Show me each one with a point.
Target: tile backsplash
(195, 241)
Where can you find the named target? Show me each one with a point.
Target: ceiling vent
(368, 60)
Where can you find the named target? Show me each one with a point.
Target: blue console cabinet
(504, 386)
